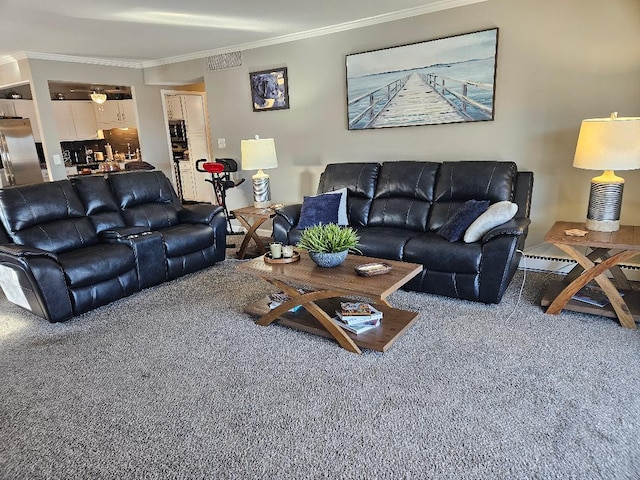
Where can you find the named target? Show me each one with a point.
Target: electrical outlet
(222, 143)
(56, 159)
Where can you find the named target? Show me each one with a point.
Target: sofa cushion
(99, 202)
(384, 242)
(496, 214)
(436, 253)
(404, 194)
(454, 228)
(153, 216)
(29, 205)
(360, 181)
(59, 236)
(49, 216)
(321, 208)
(146, 199)
(343, 219)
(184, 239)
(458, 182)
(91, 265)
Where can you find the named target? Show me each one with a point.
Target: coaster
(575, 232)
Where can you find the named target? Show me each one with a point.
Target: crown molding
(318, 32)
(108, 62)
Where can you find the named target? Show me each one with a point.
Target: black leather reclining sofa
(69, 246)
(398, 207)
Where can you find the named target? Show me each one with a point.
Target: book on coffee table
(358, 327)
(359, 318)
(355, 308)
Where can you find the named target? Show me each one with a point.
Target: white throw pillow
(342, 208)
(496, 214)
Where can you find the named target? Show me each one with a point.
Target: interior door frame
(164, 94)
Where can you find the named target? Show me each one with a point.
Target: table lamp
(607, 144)
(258, 154)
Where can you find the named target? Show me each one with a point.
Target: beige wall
(558, 62)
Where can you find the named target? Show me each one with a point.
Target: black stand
(220, 171)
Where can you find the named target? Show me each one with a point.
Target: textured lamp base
(602, 225)
(261, 191)
(605, 201)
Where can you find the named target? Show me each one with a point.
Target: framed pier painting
(269, 90)
(447, 80)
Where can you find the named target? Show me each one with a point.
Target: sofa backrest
(360, 181)
(458, 182)
(404, 195)
(49, 216)
(99, 202)
(146, 199)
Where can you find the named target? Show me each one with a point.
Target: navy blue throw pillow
(454, 228)
(319, 209)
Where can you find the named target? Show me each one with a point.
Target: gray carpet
(176, 382)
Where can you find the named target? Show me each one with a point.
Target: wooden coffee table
(330, 287)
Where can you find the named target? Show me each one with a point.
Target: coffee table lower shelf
(394, 322)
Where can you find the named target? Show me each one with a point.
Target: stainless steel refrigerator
(19, 164)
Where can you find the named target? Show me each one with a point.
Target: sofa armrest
(514, 227)
(284, 222)
(16, 250)
(291, 213)
(33, 279)
(200, 213)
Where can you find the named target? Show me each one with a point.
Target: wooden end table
(610, 248)
(333, 285)
(251, 218)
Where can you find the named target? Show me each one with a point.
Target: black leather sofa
(69, 246)
(398, 207)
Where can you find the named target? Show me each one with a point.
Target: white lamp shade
(258, 154)
(608, 144)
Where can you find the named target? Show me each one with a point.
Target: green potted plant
(329, 244)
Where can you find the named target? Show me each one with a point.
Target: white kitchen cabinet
(84, 120)
(194, 114)
(27, 109)
(115, 114)
(198, 149)
(7, 108)
(174, 107)
(187, 180)
(64, 121)
(75, 120)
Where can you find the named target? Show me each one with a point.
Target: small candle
(287, 251)
(276, 249)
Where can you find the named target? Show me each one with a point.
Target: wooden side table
(251, 218)
(610, 248)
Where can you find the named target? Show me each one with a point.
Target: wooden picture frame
(446, 80)
(269, 90)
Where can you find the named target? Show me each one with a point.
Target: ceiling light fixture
(98, 98)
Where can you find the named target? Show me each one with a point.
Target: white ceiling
(163, 31)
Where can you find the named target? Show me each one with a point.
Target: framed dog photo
(269, 90)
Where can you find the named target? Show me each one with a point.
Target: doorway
(188, 139)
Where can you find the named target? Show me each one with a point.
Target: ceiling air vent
(224, 60)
